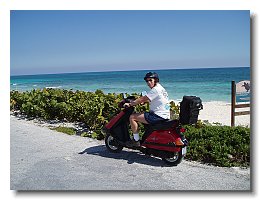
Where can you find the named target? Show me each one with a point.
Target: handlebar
(126, 100)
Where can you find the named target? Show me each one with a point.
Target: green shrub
(92, 108)
(219, 145)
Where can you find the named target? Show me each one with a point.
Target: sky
(46, 42)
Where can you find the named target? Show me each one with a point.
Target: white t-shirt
(159, 101)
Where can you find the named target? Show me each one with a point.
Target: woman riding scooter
(159, 107)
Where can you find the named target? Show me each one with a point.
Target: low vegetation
(219, 145)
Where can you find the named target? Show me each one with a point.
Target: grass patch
(67, 130)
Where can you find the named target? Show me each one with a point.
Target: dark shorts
(152, 118)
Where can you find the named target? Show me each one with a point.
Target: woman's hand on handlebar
(127, 105)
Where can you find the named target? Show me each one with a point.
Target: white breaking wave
(53, 87)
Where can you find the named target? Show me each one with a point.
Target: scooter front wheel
(174, 160)
(112, 145)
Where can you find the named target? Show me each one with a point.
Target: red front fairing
(162, 140)
(114, 120)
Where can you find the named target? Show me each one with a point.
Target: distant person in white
(159, 107)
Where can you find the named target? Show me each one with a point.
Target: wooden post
(233, 103)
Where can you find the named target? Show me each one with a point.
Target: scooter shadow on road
(131, 156)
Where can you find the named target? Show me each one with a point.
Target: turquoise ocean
(211, 84)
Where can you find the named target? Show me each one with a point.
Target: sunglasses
(148, 80)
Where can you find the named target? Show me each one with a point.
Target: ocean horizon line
(208, 83)
(163, 69)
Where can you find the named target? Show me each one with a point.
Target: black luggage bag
(189, 109)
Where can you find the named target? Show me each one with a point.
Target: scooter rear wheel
(112, 145)
(174, 160)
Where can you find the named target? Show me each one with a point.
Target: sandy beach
(220, 112)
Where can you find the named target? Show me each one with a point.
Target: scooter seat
(164, 125)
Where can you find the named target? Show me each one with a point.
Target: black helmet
(152, 75)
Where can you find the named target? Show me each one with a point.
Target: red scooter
(164, 139)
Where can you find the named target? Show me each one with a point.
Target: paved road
(42, 159)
